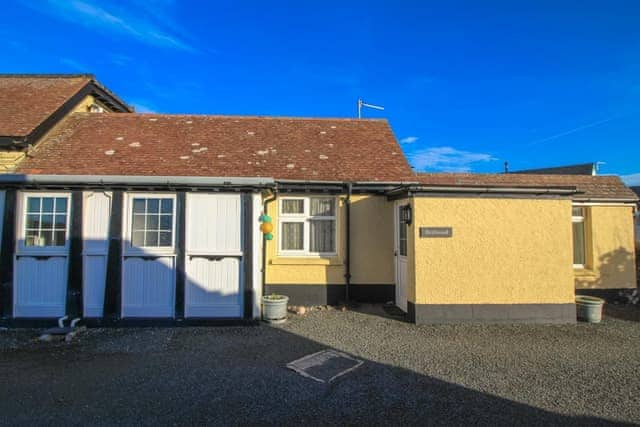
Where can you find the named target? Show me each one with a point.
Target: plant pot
(274, 308)
(589, 309)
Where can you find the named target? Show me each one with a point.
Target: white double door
(213, 264)
(214, 256)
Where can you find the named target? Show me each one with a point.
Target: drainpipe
(265, 203)
(347, 260)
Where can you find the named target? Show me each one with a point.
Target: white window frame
(580, 219)
(22, 247)
(305, 219)
(129, 249)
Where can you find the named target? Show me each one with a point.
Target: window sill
(304, 260)
(584, 273)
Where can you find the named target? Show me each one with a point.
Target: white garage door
(213, 262)
(42, 254)
(148, 267)
(95, 248)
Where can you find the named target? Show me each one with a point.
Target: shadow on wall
(614, 264)
(49, 282)
(612, 269)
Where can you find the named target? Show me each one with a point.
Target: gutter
(347, 261)
(484, 189)
(134, 180)
(265, 203)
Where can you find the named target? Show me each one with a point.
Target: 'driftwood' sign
(436, 231)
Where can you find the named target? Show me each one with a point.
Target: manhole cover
(325, 366)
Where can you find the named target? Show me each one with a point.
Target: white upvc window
(307, 226)
(578, 215)
(44, 221)
(151, 222)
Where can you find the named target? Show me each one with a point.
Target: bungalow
(130, 217)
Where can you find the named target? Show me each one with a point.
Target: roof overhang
(419, 190)
(307, 186)
(133, 182)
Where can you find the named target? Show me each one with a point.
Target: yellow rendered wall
(371, 248)
(503, 251)
(610, 249)
(9, 160)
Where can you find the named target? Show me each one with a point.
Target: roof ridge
(241, 117)
(47, 76)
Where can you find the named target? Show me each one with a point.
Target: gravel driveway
(455, 374)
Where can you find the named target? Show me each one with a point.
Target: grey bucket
(274, 310)
(589, 309)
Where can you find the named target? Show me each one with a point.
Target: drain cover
(325, 366)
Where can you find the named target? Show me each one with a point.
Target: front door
(401, 233)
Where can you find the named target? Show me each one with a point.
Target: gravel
(452, 374)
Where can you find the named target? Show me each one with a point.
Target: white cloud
(447, 159)
(632, 179)
(409, 140)
(574, 130)
(141, 26)
(74, 65)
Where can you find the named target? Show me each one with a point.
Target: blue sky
(465, 85)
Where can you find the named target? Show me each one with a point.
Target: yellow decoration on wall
(266, 227)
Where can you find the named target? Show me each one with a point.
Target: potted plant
(589, 309)
(274, 308)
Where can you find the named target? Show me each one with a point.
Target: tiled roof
(580, 169)
(26, 101)
(590, 187)
(234, 146)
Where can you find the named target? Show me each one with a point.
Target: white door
(213, 262)
(42, 254)
(95, 247)
(148, 286)
(148, 266)
(401, 233)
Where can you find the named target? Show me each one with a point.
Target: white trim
(128, 249)
(580, 219)
(21, 248)
(305, 218)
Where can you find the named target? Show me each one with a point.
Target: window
(308, 225)
(46, 221)
(152, 222)
(579, 237)
(404, 217)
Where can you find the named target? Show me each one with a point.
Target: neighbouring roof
(308, 149)
(28, 100)
(581, 169)
(589, 187)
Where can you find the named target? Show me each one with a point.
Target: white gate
(149, 257)
(213, 262)
(42, 254)
(95, 248)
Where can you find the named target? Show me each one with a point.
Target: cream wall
(610, 249)
(372, 259)
(503, 251)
